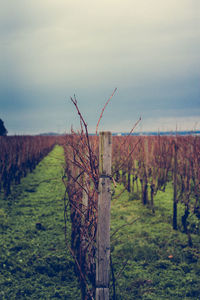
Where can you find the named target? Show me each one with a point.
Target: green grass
(150, 259)
(34, 261)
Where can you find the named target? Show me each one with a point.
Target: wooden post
(146, 166)
(85, 195)
(103, 224)
(175, 188)
(146, 153)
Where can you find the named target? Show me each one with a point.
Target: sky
(52, 49)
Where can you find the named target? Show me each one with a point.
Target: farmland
(149, 258)
(34, 261)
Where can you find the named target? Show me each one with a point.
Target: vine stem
(104, 109)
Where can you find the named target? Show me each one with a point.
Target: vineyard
(152, 244)
(143, 166)
(19, 155)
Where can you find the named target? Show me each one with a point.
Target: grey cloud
(148, 49)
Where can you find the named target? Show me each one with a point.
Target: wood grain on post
(103, 224)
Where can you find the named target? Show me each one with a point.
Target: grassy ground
(34, 262)
(152, 261)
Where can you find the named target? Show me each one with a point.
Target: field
(153, 260)
(150, 260)
(35, 263)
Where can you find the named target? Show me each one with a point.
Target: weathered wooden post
(175, 187)
(85, 195)
(103, 224)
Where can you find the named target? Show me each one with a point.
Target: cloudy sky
(53, 49)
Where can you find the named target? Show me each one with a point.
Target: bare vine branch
(104, 109)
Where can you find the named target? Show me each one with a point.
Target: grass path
(34, 262)
(150, 259)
